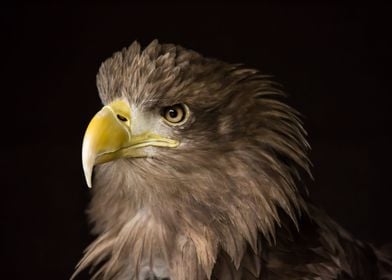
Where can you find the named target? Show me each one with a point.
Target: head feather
(238, 166)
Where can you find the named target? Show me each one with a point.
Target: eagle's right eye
(175, 114)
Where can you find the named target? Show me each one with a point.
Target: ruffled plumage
(229, 203)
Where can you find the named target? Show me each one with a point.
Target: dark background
(332, 59)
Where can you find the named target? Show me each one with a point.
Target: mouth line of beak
(133, 150)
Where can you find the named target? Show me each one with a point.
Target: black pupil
(173, 113)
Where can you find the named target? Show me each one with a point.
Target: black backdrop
(331, 59)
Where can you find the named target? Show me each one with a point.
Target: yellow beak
(109, 137)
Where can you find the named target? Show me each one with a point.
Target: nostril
(121, 118)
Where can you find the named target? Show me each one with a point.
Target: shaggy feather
(227, 203)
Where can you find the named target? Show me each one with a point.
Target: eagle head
(190, 157)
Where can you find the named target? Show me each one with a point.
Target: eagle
(197, 171)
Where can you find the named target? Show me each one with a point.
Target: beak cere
(108, 137)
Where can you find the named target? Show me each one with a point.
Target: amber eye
(175, 114)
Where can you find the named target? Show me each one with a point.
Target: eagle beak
(109, 137)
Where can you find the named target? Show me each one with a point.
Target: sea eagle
(195, 167)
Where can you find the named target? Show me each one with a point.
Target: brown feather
(228, 202)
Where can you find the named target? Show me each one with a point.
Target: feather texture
(229, 202)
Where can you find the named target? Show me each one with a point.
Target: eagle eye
(175, 114)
